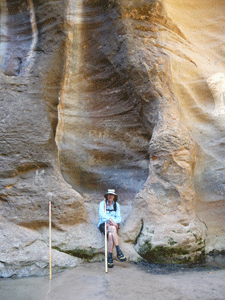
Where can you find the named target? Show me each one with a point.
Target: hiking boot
(120, 255)
(110, 260)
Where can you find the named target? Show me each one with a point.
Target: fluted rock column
(163, 223)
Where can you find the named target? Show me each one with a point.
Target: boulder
(24, 252)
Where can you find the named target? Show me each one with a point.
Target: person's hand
(116, 225)
(112, 223)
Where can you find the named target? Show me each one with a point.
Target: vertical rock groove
(3, 30)
(101, 137)
(22, 36)
(28, 64)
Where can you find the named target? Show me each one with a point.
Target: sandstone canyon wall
(111, 94)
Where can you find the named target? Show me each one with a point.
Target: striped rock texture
(111, 94)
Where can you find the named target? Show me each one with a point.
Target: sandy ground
(124, 281)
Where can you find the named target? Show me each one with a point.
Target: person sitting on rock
(109, 212)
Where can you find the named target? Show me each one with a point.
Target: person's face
(110, 198)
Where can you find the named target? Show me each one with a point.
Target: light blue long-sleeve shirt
(114, 215)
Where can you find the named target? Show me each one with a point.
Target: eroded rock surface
(102, 136)
(197, 74)
(29, 167)
(123, 94)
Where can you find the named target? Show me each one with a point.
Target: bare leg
(110, 249)
(110, 242)
(112, 237)
(113, 240)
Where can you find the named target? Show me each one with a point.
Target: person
(112, 218)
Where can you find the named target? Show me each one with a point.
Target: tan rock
(127, 95)
(23, 252)
(197, 76)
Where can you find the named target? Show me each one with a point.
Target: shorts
(102, 228)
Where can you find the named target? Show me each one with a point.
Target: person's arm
(102, 215)
(117, 218)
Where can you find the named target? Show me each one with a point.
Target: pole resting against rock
(49, 197)
(50, 241)
(106, 265)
